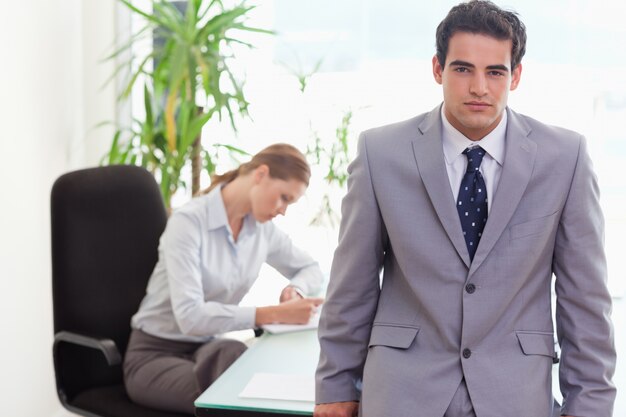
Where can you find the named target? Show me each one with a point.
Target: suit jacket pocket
(392, 335)
(532, 227)
(536, 343)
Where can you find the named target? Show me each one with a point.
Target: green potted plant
(187, 81)
(331, 154)
(334, 156)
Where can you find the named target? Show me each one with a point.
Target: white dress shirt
(454, 143)
(203, 273)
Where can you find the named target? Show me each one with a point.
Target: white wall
(49, 99)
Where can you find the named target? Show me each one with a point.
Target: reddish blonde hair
(284, 161)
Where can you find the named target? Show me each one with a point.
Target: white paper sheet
(280, 387)
(286, 328)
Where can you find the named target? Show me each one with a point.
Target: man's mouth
(477, 105)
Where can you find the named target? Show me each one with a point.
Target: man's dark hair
(485, 18)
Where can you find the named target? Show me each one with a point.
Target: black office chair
(106, 224)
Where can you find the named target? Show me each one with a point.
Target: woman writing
(210, 254)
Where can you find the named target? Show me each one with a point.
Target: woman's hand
(294, 311)
(289, 293)
(298, 310)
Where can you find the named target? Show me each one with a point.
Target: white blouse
(202, 273)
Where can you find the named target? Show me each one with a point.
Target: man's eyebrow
(459, 63)
(498, 67)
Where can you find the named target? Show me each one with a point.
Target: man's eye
(461, 69)
(496, 73)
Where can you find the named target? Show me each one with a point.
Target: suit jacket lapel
(428, 152)
(516, 172)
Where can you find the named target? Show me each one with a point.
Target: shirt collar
(454, 142)
(216, 212)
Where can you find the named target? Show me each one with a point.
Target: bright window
(375, 60)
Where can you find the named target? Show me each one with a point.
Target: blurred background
(330, 70)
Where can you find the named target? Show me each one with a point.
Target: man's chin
(478, 125)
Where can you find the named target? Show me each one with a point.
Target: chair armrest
(106, 346)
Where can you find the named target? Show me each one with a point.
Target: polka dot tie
(472, 200)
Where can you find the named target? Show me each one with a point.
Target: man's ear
(437, 70)
(516, 75)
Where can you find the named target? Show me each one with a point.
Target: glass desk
(294, 353)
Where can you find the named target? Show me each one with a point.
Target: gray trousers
(169, 375)
(461, 404)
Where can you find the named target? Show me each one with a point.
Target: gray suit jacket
(406, 344)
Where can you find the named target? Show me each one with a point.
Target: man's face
(476, 82)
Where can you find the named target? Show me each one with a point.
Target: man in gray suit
(468, 210)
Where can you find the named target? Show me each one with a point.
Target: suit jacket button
(467, 353)
(470, 288)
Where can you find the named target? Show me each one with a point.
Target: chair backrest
(106, 224)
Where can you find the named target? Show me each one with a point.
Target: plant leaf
(149, 17)
(129, 86)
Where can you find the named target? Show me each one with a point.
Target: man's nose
(478, 85)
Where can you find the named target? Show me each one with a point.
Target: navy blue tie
(472, 200)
